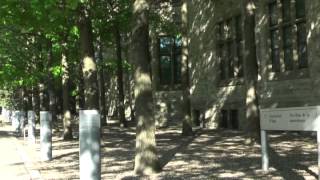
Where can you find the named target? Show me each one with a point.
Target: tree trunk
(67, 117)
(36, 103)
(102, 90)
(25, 104)
(50, 84)
(187, 120)
(89, 67)
(251, 73)
(121, 110)
(43, 95)
(146, 160)
(89, 125)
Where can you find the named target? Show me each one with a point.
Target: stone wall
(290, 88)
(208, 93)
(210, 96)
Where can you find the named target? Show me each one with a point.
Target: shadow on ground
(210, 154)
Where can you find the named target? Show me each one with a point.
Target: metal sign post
(318, 142)
(264, 150)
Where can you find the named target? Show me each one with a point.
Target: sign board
(291, 119)
(288, 119)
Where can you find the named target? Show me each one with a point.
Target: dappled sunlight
(210, 154)
(140, 4)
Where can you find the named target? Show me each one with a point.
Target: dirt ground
(210, 154)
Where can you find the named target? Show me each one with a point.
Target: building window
(229, 48)
(287, 29)
(170, 60)
(229, 119)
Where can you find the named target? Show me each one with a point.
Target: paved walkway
(211, 154)
(14, 161)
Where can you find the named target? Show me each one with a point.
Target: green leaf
(72, 4)
(56, 71)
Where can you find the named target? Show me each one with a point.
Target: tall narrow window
(287, 35)
(230, 59)
(282, 35)
(302, 45)
(274, 33)
(229, 48)
(221, 62)
(273, 13)
(170, 60)
(300, 9)
(286, 12)
(301, 33)
(275, 50)
(287, 47)
(238, 44)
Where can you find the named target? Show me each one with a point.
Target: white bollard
(45, 136)
(22, 118)
(31, 127)
(89, 139)
(15, 121)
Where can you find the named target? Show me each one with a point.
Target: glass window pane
(300, 8)
(302, 45)
(303, 60)
(230, 59)
(273, 17)
(228, 29)
(178, 42)
(166, 45)
(288, 58)
(240, 60)
(178, 46)
(177, 69)
(275, 58)
(220, 31)
(165, 70)
(286, 10)
(238, 28)
(274, 38)
(275, 53)
(287, 47)
(301, 30)
(287, 36)
(221, 55)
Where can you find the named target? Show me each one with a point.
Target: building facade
(287, 34)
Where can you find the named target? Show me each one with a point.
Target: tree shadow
(168, 155)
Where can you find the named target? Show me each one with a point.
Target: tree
(123, 121)
(251, 73)
(89, 67)
(67, 123)
(187, 121)
(146, 160)
(117, 19)
(101, 81)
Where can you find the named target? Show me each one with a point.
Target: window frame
(229, 50)
(174, 84)
(285, 69)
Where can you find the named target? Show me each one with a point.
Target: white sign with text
(291, 119)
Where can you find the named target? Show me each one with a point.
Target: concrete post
(89, 140)
(22, 121)
(45, 135)
(15, 121)
(31, 127)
